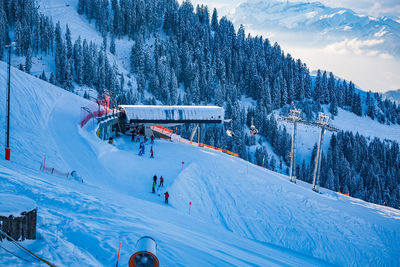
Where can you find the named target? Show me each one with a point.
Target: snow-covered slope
(241, 215)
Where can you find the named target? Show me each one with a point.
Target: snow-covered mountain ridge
(393, 95)
(323, 24)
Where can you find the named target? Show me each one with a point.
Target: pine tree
(43, 76)
(78, 61)
(112, 45)
(214, 20)
(81, 6)
(324, 98)
(356, 105)
(318, 87)
(68, 75)
(331, 87)
(59, 57)
(52, 78)
(370, 106)
(68, 43)
(333, 107)
(28, 61)
(3, 31)
(272, 164)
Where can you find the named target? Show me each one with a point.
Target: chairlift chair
(230, 132)
(253, 129)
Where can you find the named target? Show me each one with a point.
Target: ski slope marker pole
(119, 249)
(190, 205)
(182, 164)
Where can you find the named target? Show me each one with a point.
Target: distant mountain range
(393, 95)
(320, 24)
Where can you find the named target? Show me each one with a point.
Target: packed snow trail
(238, 219)
(81, 224)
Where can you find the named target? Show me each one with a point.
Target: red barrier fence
(89, 116)
(162, 130)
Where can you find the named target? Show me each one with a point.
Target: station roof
(173, 114)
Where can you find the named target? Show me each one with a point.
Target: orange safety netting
(169, 132)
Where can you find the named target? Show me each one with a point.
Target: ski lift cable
(26, 250)
(12, 253)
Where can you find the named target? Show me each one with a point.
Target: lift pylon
(294, 117)
(323, 123)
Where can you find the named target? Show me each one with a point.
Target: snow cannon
(145, 256)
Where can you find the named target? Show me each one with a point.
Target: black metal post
(8, 150)
(8, 98)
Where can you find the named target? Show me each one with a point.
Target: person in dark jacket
(155, 178)
(166, 197)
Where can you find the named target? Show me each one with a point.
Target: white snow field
(241, 214)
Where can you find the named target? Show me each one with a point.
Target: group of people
(137, 132)
(161, 184)
(141, 150)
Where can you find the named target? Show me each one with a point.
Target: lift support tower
(323, 123)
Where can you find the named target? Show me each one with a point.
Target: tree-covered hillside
(188, 55)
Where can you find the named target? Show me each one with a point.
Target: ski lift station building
(171, 115)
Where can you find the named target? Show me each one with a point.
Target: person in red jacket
(161, 182)
(166, 197)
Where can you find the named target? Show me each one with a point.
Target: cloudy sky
(370, 7)
(374, 8)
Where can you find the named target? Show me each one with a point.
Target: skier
(152, 139)
(166, 197)
(141, 149)
(76, 177)
(133, 136)
(110, 140)
(161, 182)
(154, 187)
(152, 152)
(155, 178)
(145, 139)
